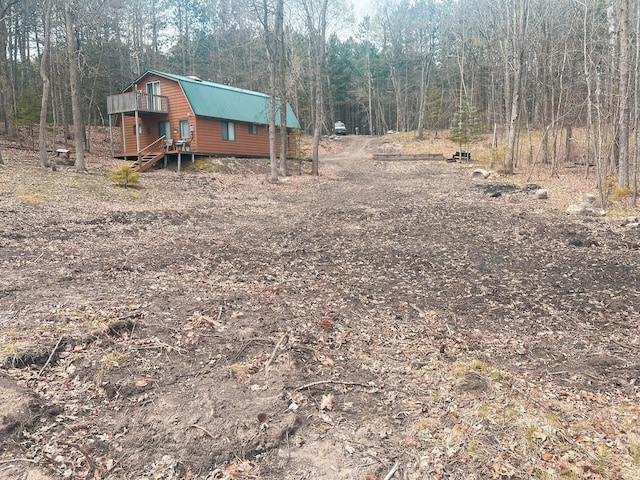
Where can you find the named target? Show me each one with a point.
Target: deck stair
(147, 160)
(149, 156)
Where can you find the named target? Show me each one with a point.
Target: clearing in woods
(385, 315)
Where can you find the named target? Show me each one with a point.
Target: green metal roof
(210, 99)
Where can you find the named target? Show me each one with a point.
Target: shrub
(616, 192)
(125, 175)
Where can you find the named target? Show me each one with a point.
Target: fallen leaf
(325, 323)
(327, 402)
(564, 468)
(328, 362)
(411, 442)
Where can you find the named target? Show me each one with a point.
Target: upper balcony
(141, 102)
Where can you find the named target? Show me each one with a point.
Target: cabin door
(164, 129)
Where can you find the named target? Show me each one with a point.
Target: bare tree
(623, 95)
(518, 26)
(316, 20)
(636, 112)
(46, 83)
(268, 24)
(282, 84)
(7, 86)
(74, 80)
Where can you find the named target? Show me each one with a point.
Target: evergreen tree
(465, 126)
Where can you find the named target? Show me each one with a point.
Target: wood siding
(178, 110)
(207, 132)
(209, 139)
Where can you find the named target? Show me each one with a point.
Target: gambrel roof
(214, 100)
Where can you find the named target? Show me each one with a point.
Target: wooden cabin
(164, 116)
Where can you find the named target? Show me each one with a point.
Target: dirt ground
(383, 320)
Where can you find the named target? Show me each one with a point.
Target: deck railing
(150, 147)
(140, 101)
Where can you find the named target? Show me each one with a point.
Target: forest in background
(538, 74)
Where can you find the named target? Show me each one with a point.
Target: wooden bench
(465, 156)
(63, 153)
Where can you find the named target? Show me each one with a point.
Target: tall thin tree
(636, 113)
(7, 85)
(623, 95)
(519, 21)
(46, 83)
(282, 84)
(271, 44)
(316, 20)
(74, 80)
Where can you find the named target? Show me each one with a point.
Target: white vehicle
(340, 128)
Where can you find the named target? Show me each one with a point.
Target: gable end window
(253, 129)
(228, 131)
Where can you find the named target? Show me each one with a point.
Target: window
(154, 101)
(184, 129)
(253, 129)
(137, 130)
(229, 131)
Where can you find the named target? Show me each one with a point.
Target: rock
(587, 206)
(632, 225)
(631, 220)
(480, 173)
(588, 199)
(578, 209)
(542, 194)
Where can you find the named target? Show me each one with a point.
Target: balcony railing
(140, 101)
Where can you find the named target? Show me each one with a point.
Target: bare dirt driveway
(383, 320)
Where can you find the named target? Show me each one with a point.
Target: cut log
(408, 156)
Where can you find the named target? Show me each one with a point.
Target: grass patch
(30, 199)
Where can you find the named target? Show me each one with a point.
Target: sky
(361, 7)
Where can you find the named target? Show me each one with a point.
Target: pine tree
(465, 126)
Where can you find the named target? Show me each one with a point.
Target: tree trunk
(6, 84)
(568, 145)
(424, 88)
(74, 80)
(46, 84)
(636, 113)
(317, 33)
(282, 82)
(271, 44)
(513, 123)
(317, 126)
(273, 158)
(623, 115)
(369, 93)
(520, 24)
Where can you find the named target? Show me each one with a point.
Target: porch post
(124, 137)
(137, 134)
(111, 136)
